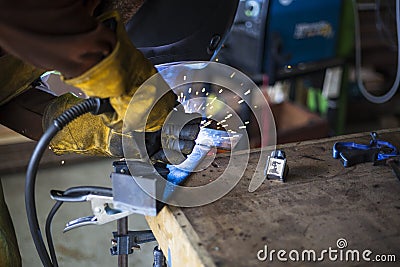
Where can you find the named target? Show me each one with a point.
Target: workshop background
(308, 75)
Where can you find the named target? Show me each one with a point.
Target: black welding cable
(49, 237)
(93, 105)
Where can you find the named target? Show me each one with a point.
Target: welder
(92, 51)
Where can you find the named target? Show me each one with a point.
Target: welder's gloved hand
(88, 134)
(85, 135)
(177, 137)
(118, 76)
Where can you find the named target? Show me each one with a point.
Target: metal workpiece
(276, 168)
(144, 188)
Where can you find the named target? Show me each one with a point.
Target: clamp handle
(351, 153)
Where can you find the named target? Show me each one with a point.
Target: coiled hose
(93, 105)
(373, 98)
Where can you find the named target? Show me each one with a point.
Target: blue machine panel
(307, 31)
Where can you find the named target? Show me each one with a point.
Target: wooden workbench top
(320, 203)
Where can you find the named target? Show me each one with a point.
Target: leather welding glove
(9, 253)
(85, 135)
(177, 137)
(88, 134)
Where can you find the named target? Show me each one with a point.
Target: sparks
(242, 127)
(247, 122)
(207, 124)
(220, 91)
(233, 74)
(240, 101)
(247, 92)
(228, 116)
(190, 90)
(184, 77)
(203, 90)
(212, 101)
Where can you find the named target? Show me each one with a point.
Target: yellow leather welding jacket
(16, 76)
(9, 253)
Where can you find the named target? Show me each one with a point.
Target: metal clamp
(351, 153)
(102, 208)
(126, 244)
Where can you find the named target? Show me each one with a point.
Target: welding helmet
(181, 30)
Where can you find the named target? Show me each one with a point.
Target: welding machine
(283, 38)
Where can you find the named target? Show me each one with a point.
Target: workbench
(320, 203)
